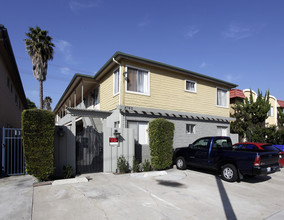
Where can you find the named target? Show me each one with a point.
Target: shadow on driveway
(171, 183)
(228, 209)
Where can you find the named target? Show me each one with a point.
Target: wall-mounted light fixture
(60, 132)
(116, 134)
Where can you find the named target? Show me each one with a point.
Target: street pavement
(174, 194)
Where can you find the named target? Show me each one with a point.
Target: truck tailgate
(268, 158)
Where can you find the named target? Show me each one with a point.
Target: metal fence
(12, 151)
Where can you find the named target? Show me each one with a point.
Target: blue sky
(240, 41)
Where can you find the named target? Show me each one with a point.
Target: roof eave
(73, 80)
(119, 55)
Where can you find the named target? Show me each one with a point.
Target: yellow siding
(167, 91)
(108, 102)
(247, 94)
(271, 120)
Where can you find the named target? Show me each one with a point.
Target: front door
(89, 151)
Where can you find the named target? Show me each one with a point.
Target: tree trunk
(40, 95)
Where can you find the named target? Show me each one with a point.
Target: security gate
(12, 151)
(89, 151)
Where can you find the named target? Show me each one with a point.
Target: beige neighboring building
(275, 104)
(12, 95)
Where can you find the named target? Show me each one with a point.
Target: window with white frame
(222, 131)
(137, 80)
(190, 86)
(116, 124)
(190, 128)
(96, 95)
(271, 111)
(222, 97)
(116, 82)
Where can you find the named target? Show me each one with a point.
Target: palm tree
(40, 49)
(47, 102)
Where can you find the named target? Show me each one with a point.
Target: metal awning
(88, 113)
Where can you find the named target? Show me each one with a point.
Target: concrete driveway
(174, 194)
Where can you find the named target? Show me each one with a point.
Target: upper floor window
(190, 86)
(96, 95)
(222, 97)
(116, 82)
(271, 111)
(16, 99)
(8, 82)
(137, 80)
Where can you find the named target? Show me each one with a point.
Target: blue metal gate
(12, 151)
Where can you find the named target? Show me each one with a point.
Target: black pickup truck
(217, 153)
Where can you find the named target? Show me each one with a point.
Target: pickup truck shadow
(255, 179)
(247, 179)
(171, 183)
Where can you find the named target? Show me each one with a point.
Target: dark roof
(237, 93)
(8, 51)
(119, 54)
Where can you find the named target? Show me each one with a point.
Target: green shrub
(146, 166)
(68, 171)
(161, 134)
(38, 141)
(122, 165)
(136, 166)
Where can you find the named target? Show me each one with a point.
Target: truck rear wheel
(180, 162)
(229, 173)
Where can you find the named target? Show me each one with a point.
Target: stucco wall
(181, 138)
(10, 112)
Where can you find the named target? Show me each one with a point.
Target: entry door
(89, 151)
(140, 135)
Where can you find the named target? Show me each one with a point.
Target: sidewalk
(16, 197)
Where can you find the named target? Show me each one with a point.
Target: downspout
(276, 113)
(119, 95)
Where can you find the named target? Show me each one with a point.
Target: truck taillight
(257, 161)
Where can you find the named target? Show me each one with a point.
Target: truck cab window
(222, 143)
(201, 143)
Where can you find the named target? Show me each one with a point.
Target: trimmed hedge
(161, 135)
(38, 141)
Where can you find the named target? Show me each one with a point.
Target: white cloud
(192, 30)
(65, 48)
(76, 5)
(203, 64)
(238, 32)
(32, 94)
(144, 22)
(65, 70)
(229, 77)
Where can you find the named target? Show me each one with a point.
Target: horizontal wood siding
(108, 102)
(167, 91)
